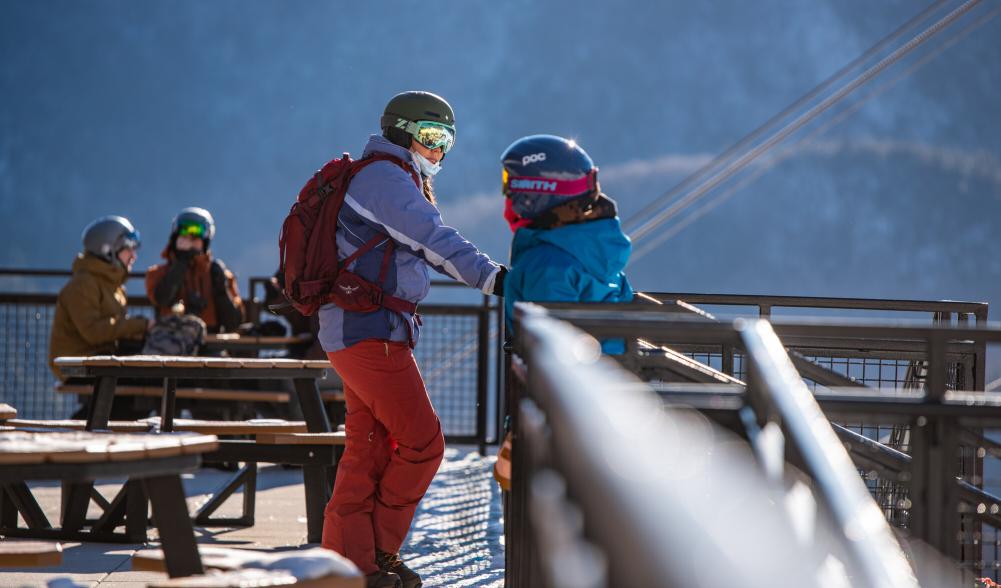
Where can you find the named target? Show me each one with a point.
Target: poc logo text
(533, 158)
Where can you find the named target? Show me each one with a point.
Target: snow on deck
(457, 538)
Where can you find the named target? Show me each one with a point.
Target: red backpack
(313, 275)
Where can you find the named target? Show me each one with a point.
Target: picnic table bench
(241, 567)
(25, 554)
(152, 463)
(200, 393)
(238, 342)
(275, 441)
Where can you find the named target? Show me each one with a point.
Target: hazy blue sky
(142, 108)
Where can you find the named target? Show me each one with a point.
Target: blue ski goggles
(432, 134)
(129, 240)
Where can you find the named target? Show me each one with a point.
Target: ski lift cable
(698, 174)
(707, 207)
(742, 162)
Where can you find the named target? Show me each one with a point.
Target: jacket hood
(600, 246)
(111, 272)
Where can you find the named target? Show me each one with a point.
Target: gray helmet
(415, 105)
(108, 235)
(194, 216)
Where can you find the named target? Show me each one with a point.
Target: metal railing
(895, 367)
(608, 485)
(457, 342)
(947, 421)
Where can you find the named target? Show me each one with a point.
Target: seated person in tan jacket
(90, 316)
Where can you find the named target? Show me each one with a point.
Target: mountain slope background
(142, 108)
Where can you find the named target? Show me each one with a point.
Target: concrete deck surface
(456, 538)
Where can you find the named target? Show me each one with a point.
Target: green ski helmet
(427, 117)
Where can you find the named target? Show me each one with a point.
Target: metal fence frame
(484, 318)
(939, 312)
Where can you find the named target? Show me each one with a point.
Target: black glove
(217, 272)
(499, 282)
(194, 303)
(184, 256)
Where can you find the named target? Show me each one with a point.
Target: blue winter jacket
(383, 198)
(574, 263)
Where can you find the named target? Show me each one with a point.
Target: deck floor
(456, 538)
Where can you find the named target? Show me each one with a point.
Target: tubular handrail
(49, 273)
(869, 537)
(767, 302)
(628, 467)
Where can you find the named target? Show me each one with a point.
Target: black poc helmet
(193, 222)
(108, 235)
(545, 171)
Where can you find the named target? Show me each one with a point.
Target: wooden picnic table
(153, 464)
(107, 369)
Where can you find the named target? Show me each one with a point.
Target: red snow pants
(393, 449)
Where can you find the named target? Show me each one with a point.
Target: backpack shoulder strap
(360, 164)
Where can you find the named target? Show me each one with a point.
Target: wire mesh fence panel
(447, 355)
(980, 544)
(26, 382)
(988, 538)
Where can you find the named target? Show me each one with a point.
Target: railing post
(727, 359)
(482, 369)
(980, 370)
(515, 519)
(502, 360)
(935, 513)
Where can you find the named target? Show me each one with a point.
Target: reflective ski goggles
(432, 134)
(130, 241)
(191, 229)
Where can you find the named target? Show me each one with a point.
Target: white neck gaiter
(427, 168)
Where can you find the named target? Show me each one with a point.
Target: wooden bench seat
(188, 393)
(23, 554)
(251, 427)
(7, 412)
(200, 393)
(332, 438)
(314, 567)
(79, 425)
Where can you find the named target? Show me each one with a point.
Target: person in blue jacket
(568, 243)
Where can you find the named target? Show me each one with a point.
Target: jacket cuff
(488, 284)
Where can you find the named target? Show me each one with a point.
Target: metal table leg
(315, 478)
(168, 405)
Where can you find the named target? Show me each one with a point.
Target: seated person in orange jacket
(191, 275)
